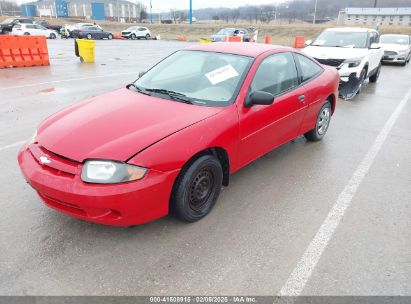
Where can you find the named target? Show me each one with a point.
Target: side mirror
(259, 98)
(141, 73)
(308, 42)
(375, 46)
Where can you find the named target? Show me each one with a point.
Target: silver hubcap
(323, 121)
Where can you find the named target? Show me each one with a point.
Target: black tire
(147, 36)
(89, 36)
(26, 34)
(133, 36)
(197, 189)
(5, 31)
(110, 37)
(403, 63)
(320, 129)
(376, 75)
(53, 36)
(363, 76)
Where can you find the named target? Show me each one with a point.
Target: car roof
(238, 48)
(351, 29)
(402, 35)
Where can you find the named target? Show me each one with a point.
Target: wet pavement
(262, 224)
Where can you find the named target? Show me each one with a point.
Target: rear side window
(142, 29)
(17, 26)
(309, 69)
(276, 74)
(25, 21)
(29, 26)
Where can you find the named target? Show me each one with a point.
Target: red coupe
(170, 140)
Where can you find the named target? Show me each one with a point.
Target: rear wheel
(374, 78)
(89, 36)
(197, 189)
(322, 124)
(147, 36)
(53, 36)
(110, 37)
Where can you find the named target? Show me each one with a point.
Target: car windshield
(198, 77)
(342, 39)
(226, 32)
(394, 39)
(131, 28)
(8, 20)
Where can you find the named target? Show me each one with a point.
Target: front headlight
(354, 62)
(110, 172)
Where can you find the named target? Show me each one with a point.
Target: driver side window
(276, 74)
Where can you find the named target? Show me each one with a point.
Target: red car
(170, 140)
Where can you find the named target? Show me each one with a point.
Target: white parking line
(16, 144)
(302, 272)
(66, 80)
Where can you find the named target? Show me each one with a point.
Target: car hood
(320, 52)
(116, 125)
(394, 47)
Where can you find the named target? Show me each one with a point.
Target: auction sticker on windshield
(221, 74)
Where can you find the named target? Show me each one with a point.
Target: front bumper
(395, 58)
(123, 204)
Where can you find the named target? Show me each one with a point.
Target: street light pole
(315, 11)
(151, 11)
(191, 12)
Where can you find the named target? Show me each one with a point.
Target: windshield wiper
(138, 89)
(173, 95)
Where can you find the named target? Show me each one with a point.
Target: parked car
(354, 52)
(93, 32)
(230, 32)
(136, 32)
(397, 48)
(33, 30)
(6, 26)
(169, 141)
(47, 25)
(73, 29)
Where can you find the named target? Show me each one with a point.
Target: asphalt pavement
(261, 234)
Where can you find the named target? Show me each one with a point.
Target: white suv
(354, 52)
(136, 32)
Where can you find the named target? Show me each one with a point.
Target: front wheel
(322, 124)
(197, 189)
(26, 34)
(53, 36)
(374, 78)
(147, 36)
(89, 36)
(133, 37)
(110, 37)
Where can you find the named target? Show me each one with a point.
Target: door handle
(301, 98)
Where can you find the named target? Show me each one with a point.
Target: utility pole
(315, 12)
(151, 11)
(191, 12)
(375, 3)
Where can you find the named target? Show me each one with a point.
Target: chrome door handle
(301, 98)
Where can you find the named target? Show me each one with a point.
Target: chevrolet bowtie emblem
(44, 160)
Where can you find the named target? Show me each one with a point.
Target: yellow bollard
(85, 49)
(205, 41)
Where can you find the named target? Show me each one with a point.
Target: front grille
(390, 53)
(125, 33)
(331, 62)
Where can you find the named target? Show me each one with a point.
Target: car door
(264, 127)
(30, 28)
(375, 54)
(41, 30)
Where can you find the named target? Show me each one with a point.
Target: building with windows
(373, 16)
(119, 10)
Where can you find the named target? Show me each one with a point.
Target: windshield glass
(395, 39)
(131, 28)
(342, 39)
(8, 20)
(226, 32)
(203, 78)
